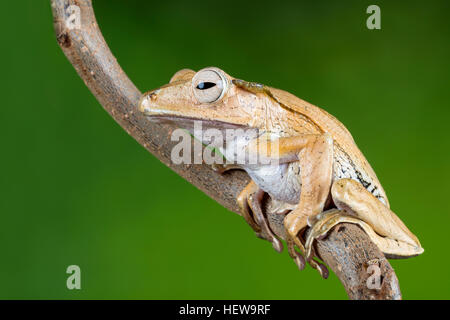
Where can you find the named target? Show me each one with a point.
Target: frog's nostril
(147, 99)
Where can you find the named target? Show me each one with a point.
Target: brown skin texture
(346, 252)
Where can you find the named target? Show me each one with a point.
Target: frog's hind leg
(360, 207)
(249, 202)
(325, 221)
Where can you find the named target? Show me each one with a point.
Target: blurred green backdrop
(76, 189)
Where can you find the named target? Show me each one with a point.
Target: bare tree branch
(347, 250)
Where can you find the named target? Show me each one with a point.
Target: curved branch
(346, 250)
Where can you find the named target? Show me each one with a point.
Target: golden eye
(209, 85)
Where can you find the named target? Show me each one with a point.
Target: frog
(312, 169)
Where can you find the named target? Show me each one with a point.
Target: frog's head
(209, 96)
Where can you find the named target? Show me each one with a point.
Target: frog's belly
(282, 182)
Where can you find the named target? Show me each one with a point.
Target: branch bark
(347, 250)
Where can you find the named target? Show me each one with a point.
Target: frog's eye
(208, 85)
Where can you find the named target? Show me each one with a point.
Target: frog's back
(349, 160)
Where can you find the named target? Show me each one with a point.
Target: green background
(76, 189)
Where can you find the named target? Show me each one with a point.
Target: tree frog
(318, 167)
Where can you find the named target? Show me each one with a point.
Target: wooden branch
(347, 250)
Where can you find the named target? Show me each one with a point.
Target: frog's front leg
(249, 201)
(315, 156)
(357, 205)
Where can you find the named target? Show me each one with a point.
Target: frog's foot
(249, 202)
(294, 241)
(300, 260)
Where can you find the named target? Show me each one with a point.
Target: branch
(347, 250)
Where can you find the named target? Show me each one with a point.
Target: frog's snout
(146, 101)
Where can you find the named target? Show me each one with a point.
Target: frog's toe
(295, 255)
(300, 261)
(310, 255)
(321, 268)
(277, 245)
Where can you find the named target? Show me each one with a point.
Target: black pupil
(205, 85)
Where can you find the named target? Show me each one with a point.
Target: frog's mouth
(191, 122)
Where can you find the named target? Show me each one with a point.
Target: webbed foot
(300, 260)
